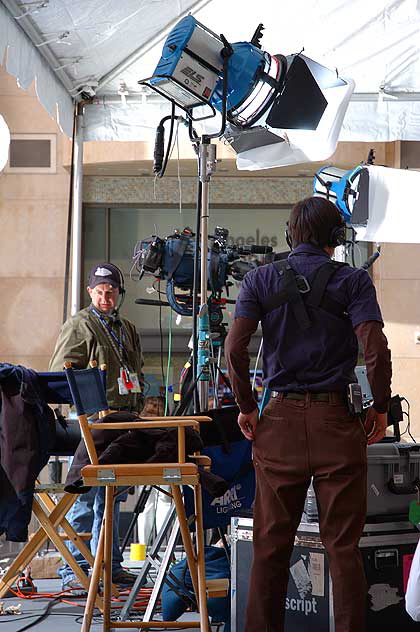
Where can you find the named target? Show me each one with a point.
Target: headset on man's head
(121, 287)
(337, 236)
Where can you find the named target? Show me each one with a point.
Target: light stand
(206, 167)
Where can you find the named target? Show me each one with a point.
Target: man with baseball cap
(99, 333)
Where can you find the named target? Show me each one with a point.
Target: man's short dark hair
(312, 221)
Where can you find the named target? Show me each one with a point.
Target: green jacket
(83, 338)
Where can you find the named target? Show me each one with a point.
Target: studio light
(279, 109)
(378, 202)
(349, 190)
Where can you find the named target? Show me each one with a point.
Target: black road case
(387, 550)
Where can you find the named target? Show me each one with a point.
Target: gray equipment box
(393, 477)
(387, 550)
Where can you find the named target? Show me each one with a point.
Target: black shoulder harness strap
(293, 288)
(317, 296)
(301, 293)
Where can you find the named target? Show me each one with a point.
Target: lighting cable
(64, 595)
(256, 364)
(178, 170)
(169, 363)
(161, 340)
(139, 605)
(160, 159)
(43, 615)
(371, 260)
(213, 374)
(357, 247)
(407, 413)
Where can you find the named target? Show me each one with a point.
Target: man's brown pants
(294, 441)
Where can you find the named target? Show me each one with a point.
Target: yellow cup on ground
(137, 552)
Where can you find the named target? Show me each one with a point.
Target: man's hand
(247, 423)
(375, 425)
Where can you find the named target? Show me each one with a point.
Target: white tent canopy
(102, 46)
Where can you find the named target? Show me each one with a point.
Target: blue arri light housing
(190, 68)
(197, 64)
(348, 190)
(263, 99)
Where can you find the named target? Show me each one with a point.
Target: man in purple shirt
(312, 310)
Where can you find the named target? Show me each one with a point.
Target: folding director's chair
(89, 397)
(49, 512)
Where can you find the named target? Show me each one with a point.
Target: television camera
(171, 259)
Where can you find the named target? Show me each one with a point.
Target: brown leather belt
(332, 397)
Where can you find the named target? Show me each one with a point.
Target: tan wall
(124, 159)
(397, 280)
(33, 220)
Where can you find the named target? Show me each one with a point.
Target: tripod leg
(150, 560)
(163, 569)
(140, 505)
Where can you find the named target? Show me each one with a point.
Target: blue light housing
(190, 66)
(348, 190)
(243, 69)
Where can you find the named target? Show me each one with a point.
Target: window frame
(151, 337)
(52, 169)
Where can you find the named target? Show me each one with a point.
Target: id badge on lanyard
(128, 382)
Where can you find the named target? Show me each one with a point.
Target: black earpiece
(337, 236)
(288, 237)
(121, 277)
(115, 315)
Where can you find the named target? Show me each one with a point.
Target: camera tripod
(168, 533)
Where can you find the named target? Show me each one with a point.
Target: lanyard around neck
(117, 344)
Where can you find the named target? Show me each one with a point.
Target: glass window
(126, 226)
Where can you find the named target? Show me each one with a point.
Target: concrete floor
(62, 617)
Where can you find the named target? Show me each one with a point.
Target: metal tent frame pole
(76, 245)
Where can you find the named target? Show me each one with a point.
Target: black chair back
(88, 390)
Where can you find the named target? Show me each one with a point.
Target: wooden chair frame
(52, 521)
(53, 526)
(174, 474)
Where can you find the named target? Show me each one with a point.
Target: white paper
(301, 578)
(383, 595)
(316, 573)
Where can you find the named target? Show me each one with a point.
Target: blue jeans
(86, 516)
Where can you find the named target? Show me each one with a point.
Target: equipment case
(387, 550)
(393, 476)
(392, 479)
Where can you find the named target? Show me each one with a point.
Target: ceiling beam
(34, 34)
(367, 97)
(385, 96)
(146, 46)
